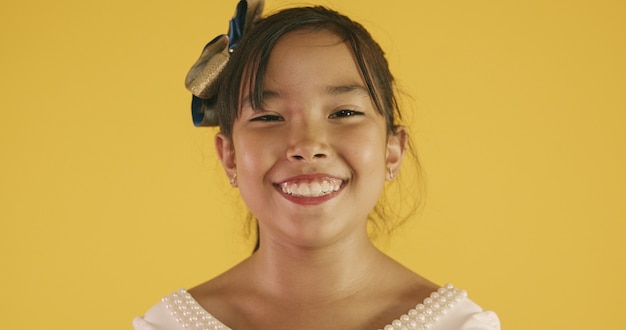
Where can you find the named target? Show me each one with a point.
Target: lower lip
(303, 200)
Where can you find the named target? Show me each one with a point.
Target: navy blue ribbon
(235, 32)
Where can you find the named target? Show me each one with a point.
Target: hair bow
(200, 80)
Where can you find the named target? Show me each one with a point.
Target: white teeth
(326, 186)
(304, 190)
(316, 188)
(311, 188)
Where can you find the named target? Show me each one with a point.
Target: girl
(308, 134)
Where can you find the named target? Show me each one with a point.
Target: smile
(316, 187)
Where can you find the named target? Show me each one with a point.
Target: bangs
(252, 77)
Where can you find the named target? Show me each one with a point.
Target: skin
(316, 267)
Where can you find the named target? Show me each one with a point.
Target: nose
(308, 143)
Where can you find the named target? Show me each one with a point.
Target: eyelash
(268, 118)
(343, 113)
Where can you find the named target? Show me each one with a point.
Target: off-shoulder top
(448, 308)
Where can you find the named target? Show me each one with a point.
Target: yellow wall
(110, 198)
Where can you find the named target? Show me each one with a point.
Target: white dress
(446, 309)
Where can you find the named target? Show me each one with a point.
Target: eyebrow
(346, 89)
(266, 94)
(270, 94)
(335, 90)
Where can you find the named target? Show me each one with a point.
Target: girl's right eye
(268, 118)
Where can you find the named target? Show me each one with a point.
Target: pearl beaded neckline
(426, 314)
(190, 315)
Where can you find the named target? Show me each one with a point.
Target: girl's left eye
(345, 113)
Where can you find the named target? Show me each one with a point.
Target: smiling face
(312, 161)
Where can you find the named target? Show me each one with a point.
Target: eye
(268, 118)
(345, 113)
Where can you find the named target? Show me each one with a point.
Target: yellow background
(110, 198)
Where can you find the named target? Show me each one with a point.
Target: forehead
(309, 57)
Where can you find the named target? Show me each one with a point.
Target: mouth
(311, 187)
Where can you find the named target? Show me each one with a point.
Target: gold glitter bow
(201, 77)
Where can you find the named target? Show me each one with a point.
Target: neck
(317, 274)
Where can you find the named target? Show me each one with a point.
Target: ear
(396, 147)
(226, 153)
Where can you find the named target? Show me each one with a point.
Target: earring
(392, 175)
(233, 180)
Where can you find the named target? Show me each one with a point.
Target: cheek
(249, 156)
(254, 156)
(251, 170)
(367, 148)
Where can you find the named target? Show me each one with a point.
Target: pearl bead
(434, 307)
(188, 313)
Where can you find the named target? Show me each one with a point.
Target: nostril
(306, 152)
(315, 156)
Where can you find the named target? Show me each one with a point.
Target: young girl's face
(311, 163)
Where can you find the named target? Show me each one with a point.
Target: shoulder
(462, 314)
(445, 309)
(177, 311)
(402, 284)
